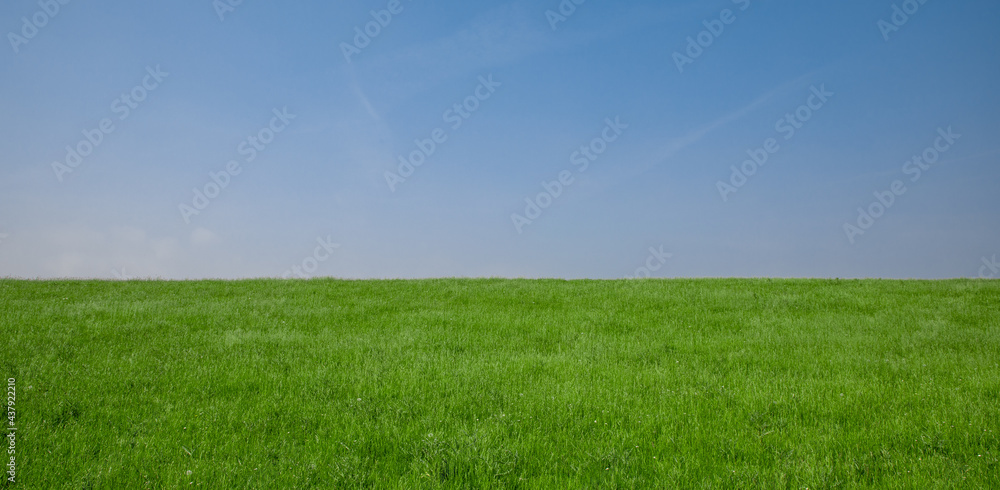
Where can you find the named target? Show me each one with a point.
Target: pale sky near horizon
(187, 140)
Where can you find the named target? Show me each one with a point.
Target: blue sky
(316, 199)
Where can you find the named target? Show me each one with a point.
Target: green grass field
(504, 384)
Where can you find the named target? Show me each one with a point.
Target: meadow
(504, 383)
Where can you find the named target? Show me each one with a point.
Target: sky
(558, 139)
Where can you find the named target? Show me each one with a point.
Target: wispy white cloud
(361, 96)
(498, 37)
(694, 136)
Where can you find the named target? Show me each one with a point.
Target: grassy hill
(504, 383)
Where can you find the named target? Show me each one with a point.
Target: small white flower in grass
(189, 472)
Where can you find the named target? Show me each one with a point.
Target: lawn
(504, 383)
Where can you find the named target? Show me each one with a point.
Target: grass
(504, 383)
